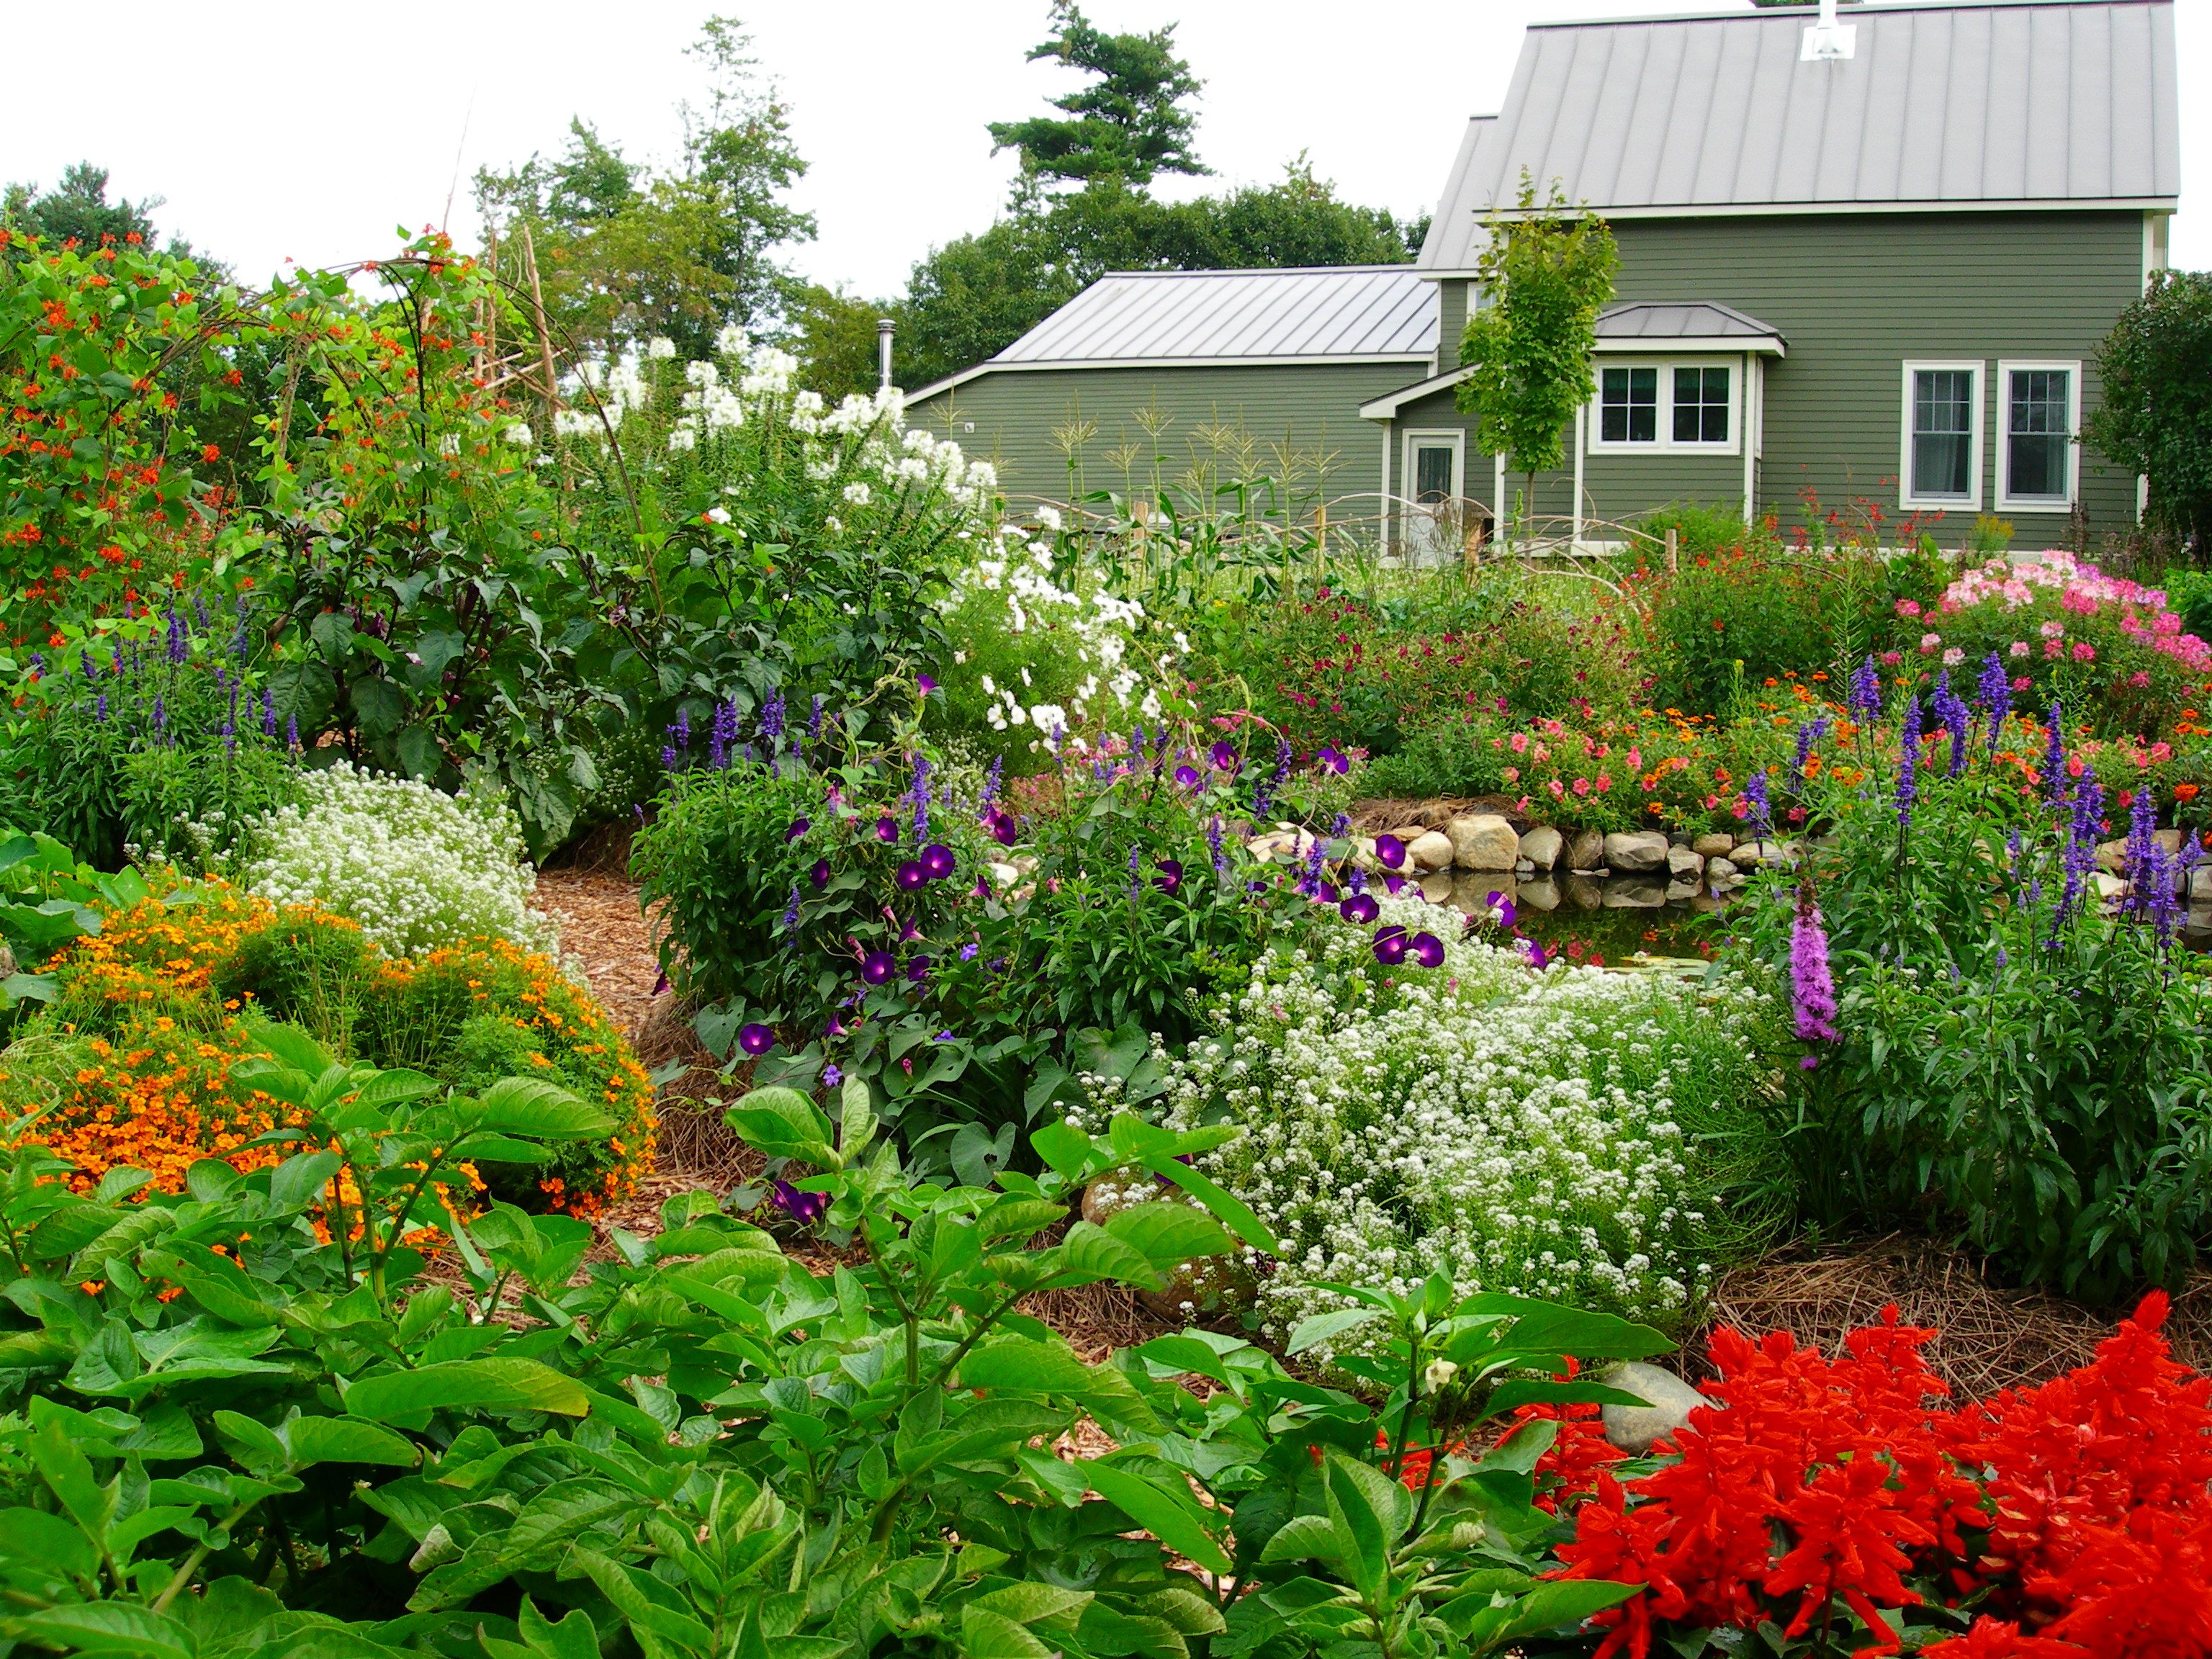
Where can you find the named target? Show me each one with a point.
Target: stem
(1396, 1460)
(968, 1342)
(191, 1564)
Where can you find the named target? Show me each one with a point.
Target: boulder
(2109, 886)
(1683, 865)
(1642, 892)
(1540, 894)
(1437, 887)
(1004, 874)
(1637, 852)
(1544, 847)
(1585, 892)
(1668, 1402)
(1721, 871)
(2112, 856)
(1681, 888)
(1717, 844)
(2170, 840)
(1752, 854)
(1430, 850)
(1471, 890)
(1586, 851)
(1482, 841)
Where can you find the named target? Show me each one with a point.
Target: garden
(642, 1021)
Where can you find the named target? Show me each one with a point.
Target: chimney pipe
(1827, 41)
(884, 327)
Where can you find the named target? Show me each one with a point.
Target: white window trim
(2007, 502)
(1977, 438)
(1665, 443)
(1428, 437)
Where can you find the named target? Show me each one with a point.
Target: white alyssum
(416, 867)
(1511, 1128)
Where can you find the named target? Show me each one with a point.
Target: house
(1872, 262)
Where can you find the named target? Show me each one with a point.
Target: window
(1628, 406)
(1665, 406)
(1432, 473)
(1942, 466)
(2041, 409)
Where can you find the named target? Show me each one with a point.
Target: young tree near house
(1542, 281)
(2155, 418)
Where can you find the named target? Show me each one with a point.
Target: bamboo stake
(538, 313)
(1674, 560)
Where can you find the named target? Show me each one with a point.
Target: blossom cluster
(416, 867)
(1512, 1128)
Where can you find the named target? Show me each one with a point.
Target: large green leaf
(531, 1106)
(1173, 1517)
(1549, 1606)
(496, 1385)
(110, 1627)
(784, 1123)
(1316, 1328)
(314, 1440)
(1170, 1234)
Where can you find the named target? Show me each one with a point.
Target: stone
(1585, 892)
(1638, 851)
(1684, 864)
(1523, 867)
(1586, 851)
(1540, 894)
(1753, 854)
(2170, 840)
(1004, 874)
(1719, 870)
(1715, 844)
(1544, 847)
(1430, 850)
(2109, 886)
(1668, 1402)
(1679, 888)
(2112, 856)
(1471, 890)
(1642, 892)
(1437, 887)
(1482, 841)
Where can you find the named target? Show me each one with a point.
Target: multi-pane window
(1628, 406)
(1432, 473)
(1701, 405)
(2038, 435)
(1942, 451)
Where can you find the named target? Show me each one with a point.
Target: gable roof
(1944, 105)
(1184, 318)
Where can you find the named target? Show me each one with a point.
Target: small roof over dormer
(1700, 325)
(1945, 105)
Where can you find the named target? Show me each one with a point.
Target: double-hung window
(1665, 406)
(1942, 465)
(2040, 404)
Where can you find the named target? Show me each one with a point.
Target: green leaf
(987, 1635)
(784, 1123)
(1549, 1606)
(1306, 1537)
(1233, 1212)
(36, 1536)
(496, 1385)
(315, 1440)
(1173, 1517)
(300, 1181)
(545, 1111)
(110, 1627)
(1089, 1253)
(1029, 1603)
(1170, 1234)
(859, 1128)
(1316, 1328)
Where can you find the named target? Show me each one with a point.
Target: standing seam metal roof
(1350, 311)
(1976, 103)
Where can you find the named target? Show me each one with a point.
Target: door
(1435, 490)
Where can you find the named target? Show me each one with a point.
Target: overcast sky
(308, 131)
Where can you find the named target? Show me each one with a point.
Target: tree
(1542, 281)
(77, 208)
(2156, 415)
(834, 336)
(1130, 124)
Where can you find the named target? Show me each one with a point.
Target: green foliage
(1130, 126)
(78, 209)
(1543, 277)
(2155, 417)
(835, 338)
(47, 899)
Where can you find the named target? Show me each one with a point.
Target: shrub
(416, 867)
(1514, 1131)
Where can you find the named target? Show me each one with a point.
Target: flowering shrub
(2106, 647)
(133, 1064)
(1537, 1133)
(1827, 1502)
(416, 867)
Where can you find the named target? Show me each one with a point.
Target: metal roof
(1702, 320)
(1945, 104)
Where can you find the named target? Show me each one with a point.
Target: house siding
(1855, 297)
(1228, 419)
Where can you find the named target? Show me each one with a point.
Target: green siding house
(1867, 262)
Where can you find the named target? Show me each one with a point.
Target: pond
(1596, 919)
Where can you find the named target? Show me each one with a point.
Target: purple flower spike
(1223, 757)
(911, 875)
(1187, 776)
(799, 1206)
(1333, 761)
(1359, 909)
(887, 828)
(799, 826)
(819, 875)
(1812, 986)
(878, 966)
(756, 1040)
(937, 861)
(1391, 851)
(1390, 946)
(1170, 877)
(1428, 950)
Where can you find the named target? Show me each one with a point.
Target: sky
(310, 132)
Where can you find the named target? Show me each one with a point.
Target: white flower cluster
(416, 867)
(1513, 1129)
(1018, 580)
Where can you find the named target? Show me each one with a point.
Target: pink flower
(1520, 743)
(2017, 648)
(1604, 782)
(1635, 760)
(1557, 789)
(2161, 752)
(2022, 684)
(1930, 641)
(1891, 658)
(2084, 651)
(1512, 774)
(1953, 657)
(2051, 630)
(1908, 607)
(2139, 679)
(1582, 786)
(2052, 648)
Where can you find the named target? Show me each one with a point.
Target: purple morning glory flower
(878, 966)
(1508, 912)
(1395, 883)
(799, 826)
(1004, 830)
(1359, 909)
(1187, 776)
(887, 828)
(1390, 946)
(1391, 851)
(799, 1206)
(756, 1040)
(911, 875)
(937, 861)
(819, 875)
(1334, 760)
(925, 684)
(1428, 950)
(1223, 757)
(1170, 877)
(917, 971)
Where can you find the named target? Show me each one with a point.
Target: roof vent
(1827, 41)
